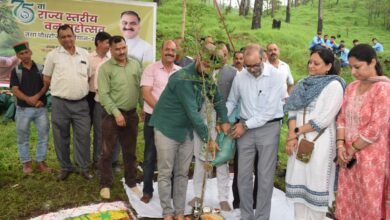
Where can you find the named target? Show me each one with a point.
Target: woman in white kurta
(310, 186)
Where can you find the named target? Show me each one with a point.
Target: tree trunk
(257, 12)
(247, 7)
(183, 19)
(296, 3)
(288, 13)
(273, 8)
(241, 8)
(320, 15)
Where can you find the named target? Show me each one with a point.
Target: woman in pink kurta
(363, 134)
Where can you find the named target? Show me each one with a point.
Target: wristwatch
(296, 130)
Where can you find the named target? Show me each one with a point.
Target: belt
(128, 111)
(69, 100)
(270, 121)
(275, 120)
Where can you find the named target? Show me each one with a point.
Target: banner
(37, 21)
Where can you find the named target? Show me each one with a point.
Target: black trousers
(127, 137)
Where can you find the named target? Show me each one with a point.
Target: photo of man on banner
(137, 47)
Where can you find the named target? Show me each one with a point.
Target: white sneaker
(105, 193)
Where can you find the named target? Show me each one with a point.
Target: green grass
(24, 196)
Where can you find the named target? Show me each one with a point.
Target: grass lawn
(27, 196)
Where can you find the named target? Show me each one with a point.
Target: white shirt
(260, 98)
(283, 68)
(238, 71)
(69, 73)
(140, 50)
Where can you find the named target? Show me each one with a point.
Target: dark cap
(21, 46)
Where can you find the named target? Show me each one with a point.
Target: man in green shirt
(175, 116)
(118, 87)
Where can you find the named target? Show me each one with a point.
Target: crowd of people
(343, 131)
(340, 50)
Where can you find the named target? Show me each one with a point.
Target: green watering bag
(227, 149)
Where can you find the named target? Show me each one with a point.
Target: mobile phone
(351, 163)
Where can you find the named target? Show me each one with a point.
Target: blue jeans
(24, 115)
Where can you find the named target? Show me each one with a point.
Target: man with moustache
(258, 91)
(29, 88)
(136, 47)
(238, 61)
(153, 81)
(118, 86)
(175, 116)
(273, 53)
(66, 70)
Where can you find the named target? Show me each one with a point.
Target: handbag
(306, 147)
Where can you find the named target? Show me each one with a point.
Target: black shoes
(64, 174)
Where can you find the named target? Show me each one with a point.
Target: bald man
(153, 81)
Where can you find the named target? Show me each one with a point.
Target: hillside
(293, 39)
(25, 196)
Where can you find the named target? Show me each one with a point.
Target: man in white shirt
(259, 92)
(238, 61)
(66, 70)
(137, 47)
(273, 53)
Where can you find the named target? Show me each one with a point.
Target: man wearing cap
(66, 70)
(29, 88)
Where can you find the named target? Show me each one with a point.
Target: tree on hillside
(257, 12)
(183, 19)
(247, 7)
(273, 5)
(243, 9)
(320, 15)
(288, 8)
